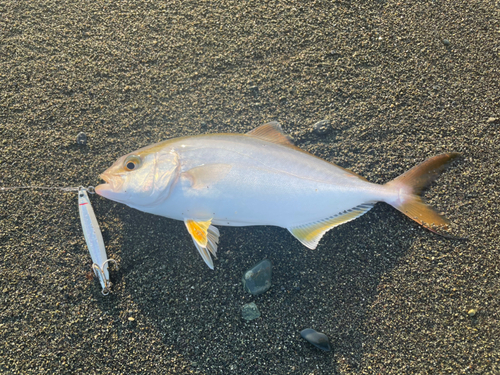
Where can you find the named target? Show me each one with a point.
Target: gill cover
(142, 178)
(153, 179)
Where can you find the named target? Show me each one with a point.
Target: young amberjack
(258, 178)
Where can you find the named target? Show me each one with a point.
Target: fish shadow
(329, 289)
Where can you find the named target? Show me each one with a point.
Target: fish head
(142, 178)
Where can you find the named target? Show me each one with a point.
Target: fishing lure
(94, 240)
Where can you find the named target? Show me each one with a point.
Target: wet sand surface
(399, 81)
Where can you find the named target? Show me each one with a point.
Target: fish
(259, 178)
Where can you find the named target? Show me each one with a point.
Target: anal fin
(310, 234)
(205, 237)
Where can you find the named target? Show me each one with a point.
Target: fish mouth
(105, 177)
(112, 185)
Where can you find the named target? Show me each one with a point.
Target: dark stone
(318, 339)
(81, 139)
(257, 279)
(322, 127)
(255, 91)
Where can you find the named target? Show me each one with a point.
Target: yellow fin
(410, 186)
(206, 175)
(205, 238)
(272, 132)
(310, 234)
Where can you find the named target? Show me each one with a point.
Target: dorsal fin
(271, 132)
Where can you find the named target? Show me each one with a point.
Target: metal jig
(93, 238)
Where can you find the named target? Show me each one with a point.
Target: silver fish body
(258, 178)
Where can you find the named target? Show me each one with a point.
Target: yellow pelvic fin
(206, 175)
(205, 237)
(272, 132)
(310, 234)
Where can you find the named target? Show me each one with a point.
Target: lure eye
(132, 162)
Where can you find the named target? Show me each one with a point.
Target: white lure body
(93, 238)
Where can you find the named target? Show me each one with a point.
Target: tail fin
(410, 186)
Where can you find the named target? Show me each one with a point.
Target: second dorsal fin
(271, 132)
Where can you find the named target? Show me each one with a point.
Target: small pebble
(446, 42)
(254, 90)
(493, 120)
(250, 311)
(81, 139)
(257, 279)
(472, 312)
(318, 339)
(334, 53)
(322, 127)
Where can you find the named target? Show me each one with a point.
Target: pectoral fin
(205, 238)
(206, 175)
(310, 234)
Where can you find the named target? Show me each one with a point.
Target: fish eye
(132, 162)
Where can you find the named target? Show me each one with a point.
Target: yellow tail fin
(410, 186)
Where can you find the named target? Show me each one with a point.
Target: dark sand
(400, 81)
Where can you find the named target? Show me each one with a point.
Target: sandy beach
(399, 81)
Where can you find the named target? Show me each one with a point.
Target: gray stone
(322, 127)
(318, 339)
(250, 311)
(257, 279)
(81, 139)
(255, 91)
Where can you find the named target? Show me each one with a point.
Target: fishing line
(90, 189)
